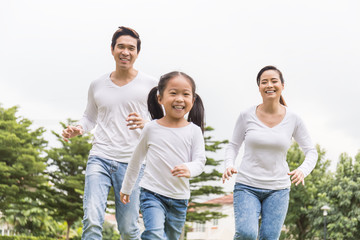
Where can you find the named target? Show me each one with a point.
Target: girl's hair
(266, 68)
(196, 114)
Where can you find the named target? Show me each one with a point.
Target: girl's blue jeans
(163, 217)
(250, 203)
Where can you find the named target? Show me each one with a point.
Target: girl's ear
(159, 99)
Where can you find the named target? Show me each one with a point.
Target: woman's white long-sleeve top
(165, 148)
(264, 162)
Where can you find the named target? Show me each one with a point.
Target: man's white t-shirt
(108, 107)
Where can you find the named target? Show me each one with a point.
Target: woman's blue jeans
(101, 175)
(250, 203)
(164, 217)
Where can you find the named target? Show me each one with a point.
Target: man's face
(125, 52)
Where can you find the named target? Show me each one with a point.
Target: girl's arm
(134, 165)
(198, 158)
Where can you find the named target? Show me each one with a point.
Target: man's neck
(121, 77)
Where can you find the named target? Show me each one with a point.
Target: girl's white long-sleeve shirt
(264, 162)
(108, 107)
(165, 148)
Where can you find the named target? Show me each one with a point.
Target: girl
(262, 186)
(174, 150)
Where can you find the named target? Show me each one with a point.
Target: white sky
(50, 51)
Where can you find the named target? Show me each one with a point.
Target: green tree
(203, 185)
(343, 194)
(109, 233)
(34, 221)
(303, 198)
(21, 164)
(66, 172)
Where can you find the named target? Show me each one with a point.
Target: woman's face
(270, 86)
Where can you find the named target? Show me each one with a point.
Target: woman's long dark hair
(197, 112)
(282, 100)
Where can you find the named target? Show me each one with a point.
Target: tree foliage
(66, 172)
(203, 185)
(22, 167)
(343, 194)
(303, 199)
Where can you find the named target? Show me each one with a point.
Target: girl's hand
(135, 121)
(124, 198)
(228, 173)
(72, 131)
(297, 177)
(181, 171)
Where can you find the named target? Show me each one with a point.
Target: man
(117, 106)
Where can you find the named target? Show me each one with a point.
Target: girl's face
(177, 97)
(270, 85)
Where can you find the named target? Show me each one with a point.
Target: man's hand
(72, 131)
(135, 121)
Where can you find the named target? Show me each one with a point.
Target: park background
(52, 50)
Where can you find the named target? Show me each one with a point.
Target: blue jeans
(250, 203)
(100, 175)
(163, 217)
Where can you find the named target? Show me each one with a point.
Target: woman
(262, 184)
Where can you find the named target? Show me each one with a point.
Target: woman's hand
(181, 171)
(228, 173)
(297, 177)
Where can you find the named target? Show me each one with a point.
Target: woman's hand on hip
(297, 176)
(228, 173)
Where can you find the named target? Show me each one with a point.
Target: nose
(270, 84)
(179, 98)
(125, 51)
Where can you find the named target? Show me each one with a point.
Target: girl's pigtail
(197, 113)
(155, 109)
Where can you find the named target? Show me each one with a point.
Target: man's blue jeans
(250, 203)
(100, 175)
(163, 217)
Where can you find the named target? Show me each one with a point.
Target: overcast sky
(50, 51)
